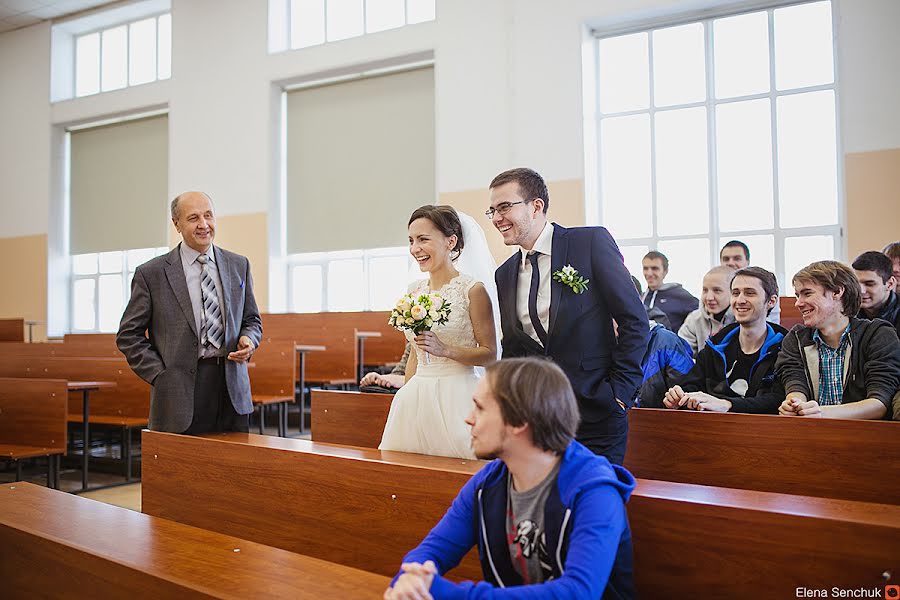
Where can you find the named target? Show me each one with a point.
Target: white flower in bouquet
(419, 313)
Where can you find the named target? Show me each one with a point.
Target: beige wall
(24, 273)
(247, 235)
(566, 208)
(873, 200)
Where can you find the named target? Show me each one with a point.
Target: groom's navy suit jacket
(581, 338)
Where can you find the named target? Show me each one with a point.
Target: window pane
(418, 11)
(804, 54)
(762, 250)
(163, 250)
(688, 263)
(113, 65)
(164, 47)
(142, 52)
(679, 65)
(83, 298)
(625, 175)
(632, 255)
(87, 64)
(111, 262)
(807, 162)
(624, 64)
(384, 14)
(682, 175)
(344, 19)
(387, 277)
(742, 55)
(306, 289)
(801, 251)
(84, 264)
(111, 302)
(346, 285)
(307, 23)
(140, 256)
(744, 165)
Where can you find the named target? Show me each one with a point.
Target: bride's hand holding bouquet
(418, 314)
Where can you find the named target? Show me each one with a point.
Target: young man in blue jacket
(548, 515)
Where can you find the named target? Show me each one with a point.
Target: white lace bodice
(457, 331)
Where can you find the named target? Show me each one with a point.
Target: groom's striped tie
(213, 333)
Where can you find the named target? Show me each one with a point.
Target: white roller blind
(360, 158)
(119, 186)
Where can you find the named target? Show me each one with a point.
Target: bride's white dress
(427, 414)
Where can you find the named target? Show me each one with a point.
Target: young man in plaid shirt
(835, 365)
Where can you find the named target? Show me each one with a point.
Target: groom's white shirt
(544, 245)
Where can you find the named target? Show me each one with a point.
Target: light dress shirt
(192, 270)
(544, 245)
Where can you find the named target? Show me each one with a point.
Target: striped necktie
(213, 332)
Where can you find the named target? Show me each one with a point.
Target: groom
(541, 316)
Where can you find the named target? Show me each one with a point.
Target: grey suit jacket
(167, 357)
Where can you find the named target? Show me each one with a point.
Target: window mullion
(712, 176)
(654, 230)
(776, 204)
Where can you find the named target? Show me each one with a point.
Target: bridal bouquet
(419, 313)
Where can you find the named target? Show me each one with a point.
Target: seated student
(671, 298)
(735, 372)
(736, 255)
(395, 379)
(547, 515)
(833, 364)
(892, 251)
(714, 312)
(667, 360)
(878, 299)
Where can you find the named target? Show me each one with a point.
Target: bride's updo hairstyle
(446, 220)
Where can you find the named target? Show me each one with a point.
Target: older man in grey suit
(197, 308)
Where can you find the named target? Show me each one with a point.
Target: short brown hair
(657, 255)
(531, 184)
(834, 277)
(766, 278)
(892, 250)
(536, 392)
(446, 220)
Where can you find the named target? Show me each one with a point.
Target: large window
(719, 129)
(125, 55)
(101, 286)
(348, 281)
(303, 23)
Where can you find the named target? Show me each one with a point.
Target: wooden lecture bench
(56, 545)
(12, 330)
(33, 422)
(830, 458)
(349, 418)
(367, 508)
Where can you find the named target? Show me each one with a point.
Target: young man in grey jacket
(835, 365)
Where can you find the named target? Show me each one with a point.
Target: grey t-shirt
(525, 529)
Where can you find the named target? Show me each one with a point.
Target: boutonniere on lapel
(570, 277)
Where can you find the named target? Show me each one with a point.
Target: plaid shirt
(831, 368)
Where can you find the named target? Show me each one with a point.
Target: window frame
(715, 235)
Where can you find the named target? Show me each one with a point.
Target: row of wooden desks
(86, 387)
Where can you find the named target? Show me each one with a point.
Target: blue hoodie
(587, 534)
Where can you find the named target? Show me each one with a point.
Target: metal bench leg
(50, 472)
(282, 408)
(57, 467)
(126, 451)
(18, 470)
(262, 419)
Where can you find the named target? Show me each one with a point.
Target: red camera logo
(892, 592)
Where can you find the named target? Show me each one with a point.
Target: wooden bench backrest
(33, 412)
(351, 506)
(50, 540)
(349, 418)
(59, 350)
(367, 508)
(130, 397)
(853, 460)
(12, 330)
(274, 370)
(790, 315)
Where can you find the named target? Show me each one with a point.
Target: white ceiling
(22, 13)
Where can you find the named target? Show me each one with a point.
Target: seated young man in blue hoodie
(735, 371)
(548, 515)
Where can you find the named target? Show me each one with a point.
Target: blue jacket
(667, 360)
(587, 534)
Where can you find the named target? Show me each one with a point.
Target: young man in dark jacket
(548, 515)
(735, 371)
(878, 288)
(667, 360)
(671, 298)
(835, 365)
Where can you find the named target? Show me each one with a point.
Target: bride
(428, 413)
